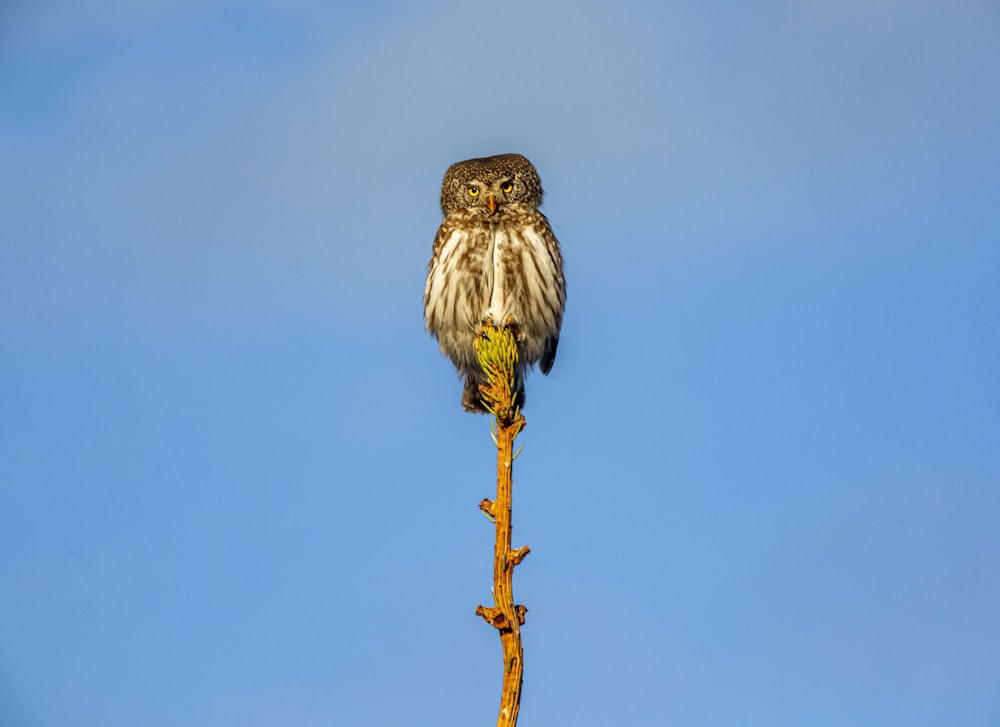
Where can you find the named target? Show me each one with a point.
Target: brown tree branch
(497, 351)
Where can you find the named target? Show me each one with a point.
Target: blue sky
(761, 485)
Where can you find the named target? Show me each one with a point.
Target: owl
(495, 260)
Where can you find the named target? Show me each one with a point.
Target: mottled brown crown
(488, 171)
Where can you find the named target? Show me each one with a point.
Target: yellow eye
(507, 187)
(473, 191)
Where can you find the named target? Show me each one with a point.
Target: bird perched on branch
(496, 262)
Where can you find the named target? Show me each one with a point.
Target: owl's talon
(514, 328)
(484, 326)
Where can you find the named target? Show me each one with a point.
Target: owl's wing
(548, 354)
(435, 298)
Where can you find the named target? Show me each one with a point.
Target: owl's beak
(491, 203)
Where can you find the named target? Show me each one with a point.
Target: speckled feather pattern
(503, 265)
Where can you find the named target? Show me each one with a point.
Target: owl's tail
(472, 398)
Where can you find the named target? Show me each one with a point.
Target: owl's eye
(507, 187)
(473, 191)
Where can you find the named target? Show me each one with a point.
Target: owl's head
(490, 183)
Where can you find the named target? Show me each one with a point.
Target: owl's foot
(514, 327)
(486, 324)
(509, 323)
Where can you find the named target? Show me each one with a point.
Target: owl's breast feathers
(505, 267)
